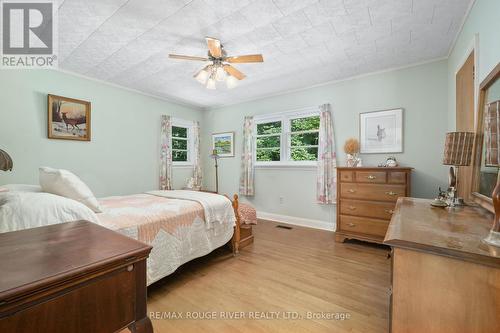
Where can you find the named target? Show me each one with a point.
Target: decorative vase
(352, 160)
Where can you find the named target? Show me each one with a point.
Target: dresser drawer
(372, 192)
(381, 210)
(396, 177)
(363, 225)
(376, 177)
(346, 176)
(106, 304)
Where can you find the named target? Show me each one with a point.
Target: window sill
(182, 166)
(286, 166)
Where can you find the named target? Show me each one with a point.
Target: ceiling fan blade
(246, 58)
(234, 72)
(185, 57)
(214, 46)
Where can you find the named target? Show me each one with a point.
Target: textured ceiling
(304, 42)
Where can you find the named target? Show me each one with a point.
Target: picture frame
(68, 118)
(381, 132)
(223, 143)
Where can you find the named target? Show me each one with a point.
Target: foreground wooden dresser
(365, 200)
(444, 278)
(72, 278)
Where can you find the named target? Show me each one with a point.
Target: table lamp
(5, 161)
(457, 153)
(215, 156)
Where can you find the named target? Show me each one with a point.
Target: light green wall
(122, 157)
(482, 20)
(420, 90)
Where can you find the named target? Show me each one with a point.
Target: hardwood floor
(300, 270)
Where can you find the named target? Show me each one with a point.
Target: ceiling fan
(220, 68)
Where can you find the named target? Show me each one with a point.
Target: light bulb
(211, 83)
(202, 76)
(231, 82)
(220, 73)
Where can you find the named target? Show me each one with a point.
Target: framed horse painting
(68, 118)
(381, 132)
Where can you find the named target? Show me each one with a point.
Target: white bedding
(25, 210)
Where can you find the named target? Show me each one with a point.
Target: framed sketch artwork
(68, 118)
(381, 131)
(223, 143)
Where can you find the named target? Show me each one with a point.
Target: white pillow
(24, 210)
(67, 184)
(21, 188)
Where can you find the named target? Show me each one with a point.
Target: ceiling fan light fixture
(231, 81)
(211, 83)
(202, 76)
(220, 73)
(219, 68)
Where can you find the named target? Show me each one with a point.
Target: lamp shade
(491, 134)
(5, 161)
(458, 148)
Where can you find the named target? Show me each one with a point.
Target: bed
(180, 225)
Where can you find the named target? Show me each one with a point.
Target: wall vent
(284, 227)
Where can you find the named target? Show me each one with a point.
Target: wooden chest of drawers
(366, 198)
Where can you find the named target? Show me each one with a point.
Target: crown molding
(326, 83)
(172, 100)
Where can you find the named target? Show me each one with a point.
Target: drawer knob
(352, 225)
(351, 190)
(371, 177)
(352, 208)
(391, 193)
(389, 211)
(130, 268)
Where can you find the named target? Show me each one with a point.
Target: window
(269, 141)
(304, 138)
(287, 139)
(181, 142)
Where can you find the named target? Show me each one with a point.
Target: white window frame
(190, 142)
(285, 149)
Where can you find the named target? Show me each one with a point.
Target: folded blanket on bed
(217, 207)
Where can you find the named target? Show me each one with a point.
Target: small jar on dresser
(366, 198)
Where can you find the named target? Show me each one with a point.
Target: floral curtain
(197, 176)
(326, 187)
(166, 153)
(247, 159)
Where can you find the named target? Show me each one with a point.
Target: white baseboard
(316, 224)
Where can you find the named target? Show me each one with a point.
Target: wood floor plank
(287, 272)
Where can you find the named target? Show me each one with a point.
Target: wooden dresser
(444, 277)
(365, 200)
(72, 278)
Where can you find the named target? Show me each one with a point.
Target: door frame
(473, 47)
